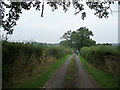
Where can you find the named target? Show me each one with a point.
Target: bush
(11, 51)
(57, 52)
(24, 58)
(105, 57)
(99, 52)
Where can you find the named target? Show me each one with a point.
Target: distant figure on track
(72, 52)
(77, 52)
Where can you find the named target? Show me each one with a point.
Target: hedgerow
(18, 58)
(99, 53)
(57, 52)
(105, 57)
(11, 51)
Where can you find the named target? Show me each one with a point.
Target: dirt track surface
(58, 79)
(83, 79)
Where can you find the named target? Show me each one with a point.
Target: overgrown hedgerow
(106, 57)
(57, 52)
(24, 58)
(99, 52)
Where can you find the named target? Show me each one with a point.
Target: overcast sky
(49, 29)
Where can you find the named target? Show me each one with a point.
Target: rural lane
(58, 79)
(83, 79)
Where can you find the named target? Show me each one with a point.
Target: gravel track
(58, 78)
(83, 79)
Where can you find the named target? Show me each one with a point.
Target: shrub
(57, 52)
(99, 52)
(105, 57)
(11, 51)
(24, 58)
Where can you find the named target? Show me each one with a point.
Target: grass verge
(41, 79)
(103, 78)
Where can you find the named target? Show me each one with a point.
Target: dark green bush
(106, 57)
(18, 58)
(99, 53)
(11, 51)
(57, 52)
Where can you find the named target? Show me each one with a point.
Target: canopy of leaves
(78, 39)
(8, 20)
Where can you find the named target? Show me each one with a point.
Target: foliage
(79, 38)
(105, 57)
(57, 52)
(41, 79)
(11, 51)
(24, 58)
(104, 79)
(99, 52)
(15, 9)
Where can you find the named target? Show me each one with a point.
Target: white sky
(49, 29)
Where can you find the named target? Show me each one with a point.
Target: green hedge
(18, 58)
(11, 51)
(99, 53)
(105, 57)
(57, 52)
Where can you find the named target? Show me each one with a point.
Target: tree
(8, 20)
(78, 39)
